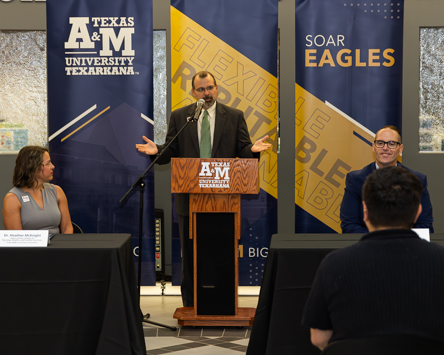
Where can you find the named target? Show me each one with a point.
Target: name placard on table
(24, 238)
(423, 233)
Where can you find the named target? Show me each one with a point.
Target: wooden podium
(215, 187)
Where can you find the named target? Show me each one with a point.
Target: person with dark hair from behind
(389, 283)
(33, 203)
(387, 146)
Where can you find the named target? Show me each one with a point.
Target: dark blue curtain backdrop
(350, 54)
(99, 105)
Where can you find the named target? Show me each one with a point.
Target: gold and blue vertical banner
(348, 86)
(99, 105)
(237, 42)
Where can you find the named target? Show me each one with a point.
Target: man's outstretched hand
(149, 148)
(260, 145)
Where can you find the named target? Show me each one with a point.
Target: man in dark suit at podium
(387, 147)
(220, 132)
(389, 283)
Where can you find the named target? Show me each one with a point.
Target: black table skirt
(76, 296)
(291, 265)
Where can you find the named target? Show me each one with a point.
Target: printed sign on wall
(100, 103)
(348, 86)
(243, 60)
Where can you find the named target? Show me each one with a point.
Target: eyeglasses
(390, 144)
(208, 88)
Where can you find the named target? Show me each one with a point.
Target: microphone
(198, 109)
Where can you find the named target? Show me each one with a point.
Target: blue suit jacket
(352, 213)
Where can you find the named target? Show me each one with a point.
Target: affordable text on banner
(237, 42)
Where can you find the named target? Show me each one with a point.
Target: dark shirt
(390, 282)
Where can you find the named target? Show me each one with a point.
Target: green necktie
(205, 137)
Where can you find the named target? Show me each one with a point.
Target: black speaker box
(215, 263)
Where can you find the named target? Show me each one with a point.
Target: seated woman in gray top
(33, 203)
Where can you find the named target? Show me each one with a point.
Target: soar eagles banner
(237, 42)
(348, 86)
(100, 101)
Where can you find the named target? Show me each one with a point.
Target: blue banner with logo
(348, 86)
(237, 42)
(99, 105)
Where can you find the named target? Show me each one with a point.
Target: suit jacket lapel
(193, 128)
(219, 127)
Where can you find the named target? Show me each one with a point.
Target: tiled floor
(190, 340)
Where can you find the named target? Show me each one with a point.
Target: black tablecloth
(76, 296)
(289, 272)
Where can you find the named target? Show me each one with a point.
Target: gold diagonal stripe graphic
(83, 125)
(75, 120)
(250, 88)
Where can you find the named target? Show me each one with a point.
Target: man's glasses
(390, 144)
(208, 88)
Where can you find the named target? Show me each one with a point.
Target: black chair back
(76, 228)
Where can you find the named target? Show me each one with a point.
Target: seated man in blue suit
(387, 147)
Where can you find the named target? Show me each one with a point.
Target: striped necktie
(205, 137)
